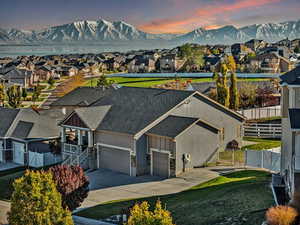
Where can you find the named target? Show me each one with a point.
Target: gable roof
(82, 96)
(29, 124)
(132, 109)
(7, 116)
(172, 126)
(22, 129)
(92, 116)
(294, 115)
(292, 77)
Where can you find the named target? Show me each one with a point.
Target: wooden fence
(262, 130)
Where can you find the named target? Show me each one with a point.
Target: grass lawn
(243, 195)
(262, 143)
(152, 81)
(6, 180)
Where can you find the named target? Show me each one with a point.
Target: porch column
(79, 136)
(90, 139)
(63, 134)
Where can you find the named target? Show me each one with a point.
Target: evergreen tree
(104, 82)
(35, 201)
(222, 87)
(2, 94)
(24, 93)
(234, 96)
(36, 93)
(14, 96)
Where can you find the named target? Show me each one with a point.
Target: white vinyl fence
(262, 130)
(260, 113)
(263, 159)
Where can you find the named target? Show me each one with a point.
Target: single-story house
(29, 137)
(140, 131)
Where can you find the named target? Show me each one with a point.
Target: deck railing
(262, 130)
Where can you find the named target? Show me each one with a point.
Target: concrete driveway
(108, 186)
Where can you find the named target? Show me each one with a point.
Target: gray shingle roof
(80, 95)
(294, 115)
(172, 126)
(22, 129)
(132, 109)
(92, 116)
(291, 77)
(7, 116)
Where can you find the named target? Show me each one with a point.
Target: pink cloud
(207, 16)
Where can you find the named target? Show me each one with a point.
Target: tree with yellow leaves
(35, 201)
(141, 215)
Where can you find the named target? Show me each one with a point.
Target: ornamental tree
(35, 201)
(234, 95)
(71, 183)
(141, 215)
(14, 96)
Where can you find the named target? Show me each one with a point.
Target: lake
(95, 48)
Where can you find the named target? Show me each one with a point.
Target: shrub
(281, 215)
(35, 201)
(141, 215)
(71, 183)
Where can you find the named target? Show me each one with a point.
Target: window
(238, 130)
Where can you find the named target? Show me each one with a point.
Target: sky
(153, 16)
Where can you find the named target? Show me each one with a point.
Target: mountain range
(102, 31)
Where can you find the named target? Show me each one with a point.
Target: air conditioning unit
(186, 157)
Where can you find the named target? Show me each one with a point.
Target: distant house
(212, 63)
(170, 63)
(255, 44)
(23, 78)
(141, 64)
(26, 136)
(43, 73)
(140, 131)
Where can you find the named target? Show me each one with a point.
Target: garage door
(1, 151)
(18, 153)
(160, 164)
(114, 159)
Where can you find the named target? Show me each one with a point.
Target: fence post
(262, 158)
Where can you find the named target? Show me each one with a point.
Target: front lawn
(237, 198)
(262, 143)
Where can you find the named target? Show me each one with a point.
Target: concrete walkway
(4, 208)
(108, 186)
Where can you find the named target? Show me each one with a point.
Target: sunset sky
(153, 16)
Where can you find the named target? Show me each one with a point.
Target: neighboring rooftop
(292, 77)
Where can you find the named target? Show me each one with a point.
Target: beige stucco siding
(287, 145)
(115, 139)
(197, 141)
(200, 109)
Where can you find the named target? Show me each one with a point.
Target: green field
(241, 196)
(150, 82)
(262, 143)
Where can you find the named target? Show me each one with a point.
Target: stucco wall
(116, 139)
(204, 111)
(141, 156)
(197, 141)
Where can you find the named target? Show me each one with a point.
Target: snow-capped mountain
(82, 31)
(102, 30)
(270, 32)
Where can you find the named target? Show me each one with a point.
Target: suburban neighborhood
(187, 114)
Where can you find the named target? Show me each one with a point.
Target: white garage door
(114, 159)
(160, 164)
(1, 151)
(18, 152)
